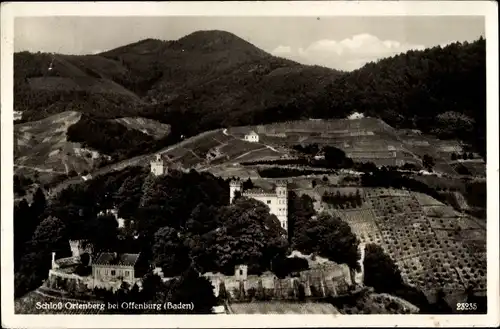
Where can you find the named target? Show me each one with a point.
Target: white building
(252, 137)
(355, 116)
(158, 167)
(277, 200)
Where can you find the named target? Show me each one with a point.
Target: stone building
(252, 137)
(161, 165)
(108, 270)
(80, 247)
(115, 267)
(276, 200)
(158, 166)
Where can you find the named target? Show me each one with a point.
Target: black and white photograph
(322, 164)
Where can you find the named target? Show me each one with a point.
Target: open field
(223, 149)
(364, 140)
(150, 127)
(88, 84)
(42, 147)
(42, 150)
(217, 149)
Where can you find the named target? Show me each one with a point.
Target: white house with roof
(109, 269)
(112, 266)
(276, 200)
(252, 137)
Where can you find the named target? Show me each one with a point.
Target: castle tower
(241, 272)
(79, 247)
(234, 186)
(75, 246)
(54, 264)
(158, 166)
(282, 198)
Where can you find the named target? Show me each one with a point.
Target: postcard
(236, 164)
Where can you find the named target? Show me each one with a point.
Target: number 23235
(466, 306)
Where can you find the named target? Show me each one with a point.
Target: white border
(488, 9)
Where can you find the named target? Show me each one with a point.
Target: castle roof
(68, 261)
(259, 191)
(109, 258)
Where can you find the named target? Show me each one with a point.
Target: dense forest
(210, 79)
(438, 90)
(175, 223)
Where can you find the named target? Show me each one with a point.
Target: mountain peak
(215, 35)
(212, 40)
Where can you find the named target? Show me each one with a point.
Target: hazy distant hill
(213, 79)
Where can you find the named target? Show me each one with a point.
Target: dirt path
(242, 155)
(40, 169)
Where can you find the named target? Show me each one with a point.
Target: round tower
(75, 246)
(234, 186)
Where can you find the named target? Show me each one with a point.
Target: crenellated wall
(323, 281)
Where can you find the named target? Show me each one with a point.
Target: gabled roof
(109, 258)
(252, 133)
(259, 191)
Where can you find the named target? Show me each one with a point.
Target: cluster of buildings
(276, 200)
(109, 269)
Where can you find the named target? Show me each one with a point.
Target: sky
(344, 43)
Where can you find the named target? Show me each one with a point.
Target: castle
(276, 200)
(161, 166)
(108, 269)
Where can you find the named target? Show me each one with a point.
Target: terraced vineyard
(217, 148)
(433, 245)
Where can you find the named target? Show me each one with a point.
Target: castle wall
(71, 282)
(319, 282)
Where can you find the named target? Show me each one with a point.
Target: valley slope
(214, 79)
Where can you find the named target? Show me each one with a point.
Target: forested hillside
(175, 221)
(212, 79)
(438, 90)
